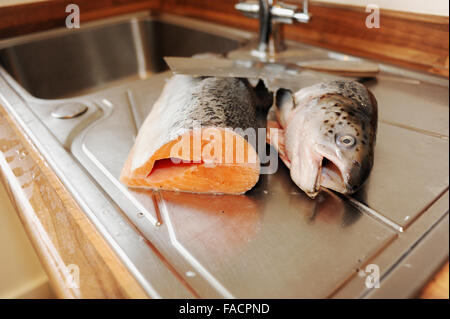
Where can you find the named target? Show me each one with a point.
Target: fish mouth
(334, 174)
(319, 167)
(332, 177)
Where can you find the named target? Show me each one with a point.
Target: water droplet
(190, 274)
(22, 155)
(18, 171)
(26, 185)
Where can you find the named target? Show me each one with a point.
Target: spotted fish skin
(220, 102)
(329, 133)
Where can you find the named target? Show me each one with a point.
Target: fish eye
(345, 140)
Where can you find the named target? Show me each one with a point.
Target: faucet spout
(265, 24)
(272, 14)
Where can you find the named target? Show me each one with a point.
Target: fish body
(328, 134)
(184, 143)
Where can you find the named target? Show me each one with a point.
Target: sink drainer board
(274, 241)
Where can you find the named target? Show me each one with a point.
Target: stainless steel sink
(86, 59)
(272, 242)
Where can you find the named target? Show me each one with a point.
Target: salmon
(196, 137)
(326, 135)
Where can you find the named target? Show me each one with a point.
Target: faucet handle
(289, 11)
(280, 12)
(248, 8)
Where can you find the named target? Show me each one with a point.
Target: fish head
(332, 141)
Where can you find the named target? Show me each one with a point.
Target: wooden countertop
(59, 230)
(437, 287)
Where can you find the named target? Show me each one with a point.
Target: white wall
(436, 7)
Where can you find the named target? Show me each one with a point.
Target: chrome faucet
(271, 13)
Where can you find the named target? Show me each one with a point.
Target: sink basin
(61, 65)
(271, 242)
